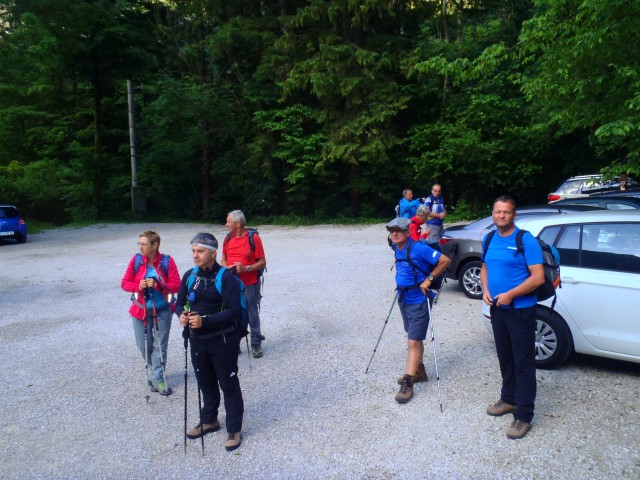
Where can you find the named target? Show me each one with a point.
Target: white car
(586, 185)
(596, 312)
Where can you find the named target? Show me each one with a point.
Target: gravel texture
(74, 396)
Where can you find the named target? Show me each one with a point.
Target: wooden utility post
(138, 200)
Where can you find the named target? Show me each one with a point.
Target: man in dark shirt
(212, 317)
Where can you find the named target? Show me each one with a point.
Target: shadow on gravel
(605, 365)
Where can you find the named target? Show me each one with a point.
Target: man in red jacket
(243, 252)
(152, 278)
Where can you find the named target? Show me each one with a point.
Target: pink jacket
(131, 282)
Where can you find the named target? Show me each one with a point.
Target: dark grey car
(463, 244)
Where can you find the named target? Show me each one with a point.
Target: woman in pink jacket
(153, 279)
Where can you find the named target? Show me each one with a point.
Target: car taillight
(445, 240)
(553, 198)
(21, 221)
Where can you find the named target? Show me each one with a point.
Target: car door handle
(569, 280)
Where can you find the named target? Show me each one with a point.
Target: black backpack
(436, 284)
(550, 264)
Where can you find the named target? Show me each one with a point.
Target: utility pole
(138, 200)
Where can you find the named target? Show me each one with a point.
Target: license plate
(4, 234)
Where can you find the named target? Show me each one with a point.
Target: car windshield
(570, 187)
(8, 212)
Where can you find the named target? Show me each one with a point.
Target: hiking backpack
(243, 326)
(164, 264)
(550, 264)
(252, 245)
(436, 284)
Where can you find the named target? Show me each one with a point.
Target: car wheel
(21, 238)
(469, 280)
(553, 339)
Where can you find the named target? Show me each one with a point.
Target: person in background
(407, 205)
(243, 253)
(437, 213)
(152, 278)
(415, 227)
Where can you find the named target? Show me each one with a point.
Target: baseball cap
(399, 222)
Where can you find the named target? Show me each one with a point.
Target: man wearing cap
(417, 264)
(212, 317)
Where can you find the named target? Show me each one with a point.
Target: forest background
(319, 109)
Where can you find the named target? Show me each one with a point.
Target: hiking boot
(500, 408)
(161, 388)
(518, 429)
(194, 432)
(233, 441)
(256, 351)
(406, 390)
(420, 376)
(151, 387)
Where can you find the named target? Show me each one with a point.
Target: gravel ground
(74, 404)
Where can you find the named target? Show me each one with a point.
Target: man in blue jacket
(408, 206)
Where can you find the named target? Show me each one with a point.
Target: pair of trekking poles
(431, 322)
(185, 336)
(148, 292)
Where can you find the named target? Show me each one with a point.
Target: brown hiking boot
(500, 408)
(406, 390)
(196, 432)
(518, 429)
(233, 441)
(420, 376)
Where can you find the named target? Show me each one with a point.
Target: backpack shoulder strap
(192, 278)
(486, 244)
(519, 242)
(137, 262)
(410, 262)
(219, 279)
(252, 244)
(164, 263)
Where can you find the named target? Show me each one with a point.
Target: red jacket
(415, 229)
(131, 282)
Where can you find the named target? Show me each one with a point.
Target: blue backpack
(243, 327)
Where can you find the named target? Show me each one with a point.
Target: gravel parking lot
(74, 396)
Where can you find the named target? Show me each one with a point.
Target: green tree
(582, 77)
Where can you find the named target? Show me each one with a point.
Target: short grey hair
(422, 210)
(238, 216)
(205, 239)
(404, 192)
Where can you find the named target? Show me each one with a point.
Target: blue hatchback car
(12, 225)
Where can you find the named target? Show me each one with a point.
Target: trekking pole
(146, 339)
(246, 339)
(157, 334)
(199, 395)
(383, 327)
(435, 357)
(185, 336)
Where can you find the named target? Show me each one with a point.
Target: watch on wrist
(430, 277)
(249, 268)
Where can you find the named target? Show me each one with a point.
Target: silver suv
(585, 185)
